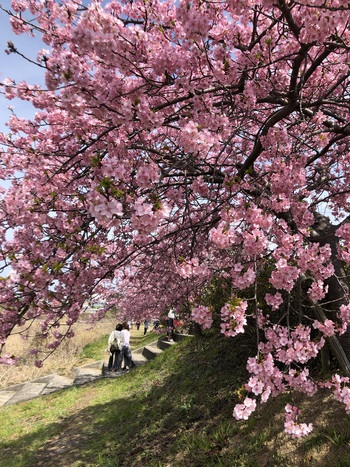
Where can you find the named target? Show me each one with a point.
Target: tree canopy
(179, 143)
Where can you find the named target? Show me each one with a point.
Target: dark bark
(338, 288)
(195, 329)
(334, 343)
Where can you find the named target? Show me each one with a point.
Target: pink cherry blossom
(178, 149)
(292, 428)
(274, 300)
(284, 276)
(203, 316)
(233, 319)
(243, 411)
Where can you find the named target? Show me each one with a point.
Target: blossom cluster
(274, 300)
(328, 327)
(104, 210)
(147, 175)
(343, 233)
(8, 359)
(233, 318)
(344, 316)
(223, 236)
(203, 316)
(146, 218)
(284, 276)
(294, 429)
(291, 345)
(340, 388)
(266, 377)
(241, 278)
(243, 411)
(192, 268)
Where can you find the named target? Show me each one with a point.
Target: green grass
(96, 350)
(174, 411)
(140, 341)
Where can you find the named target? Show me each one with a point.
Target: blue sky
(14, 66)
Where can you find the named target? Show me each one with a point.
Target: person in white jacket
(114, 348)
(170, 324)
(126, 350)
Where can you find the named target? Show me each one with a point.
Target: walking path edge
(51, 383)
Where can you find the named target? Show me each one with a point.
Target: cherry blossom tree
(174, 143)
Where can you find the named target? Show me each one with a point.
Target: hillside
(175, 411)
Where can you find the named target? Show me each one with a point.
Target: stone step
(138, 358)
(164, 344)
(28, 391)
(6, 396)
(178, 337)
(87, 373)
(58, 382)
(151, 351)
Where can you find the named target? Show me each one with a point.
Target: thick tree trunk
(334, 343)
(325, 359)
(338, 289)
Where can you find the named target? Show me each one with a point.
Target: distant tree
(175, 142)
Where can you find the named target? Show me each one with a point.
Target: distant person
(126, 350)
(138, 324)
(145, 327)
(170, 324)
(114, 348)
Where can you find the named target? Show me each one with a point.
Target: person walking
(126, 350)
(145, 327)
(114, 348)
(170, 324)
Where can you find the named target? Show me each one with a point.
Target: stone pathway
(51, 383)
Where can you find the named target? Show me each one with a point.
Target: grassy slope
(175, 411)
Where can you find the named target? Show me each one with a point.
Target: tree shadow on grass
(104, 434)
(128, 430)
(180, 415)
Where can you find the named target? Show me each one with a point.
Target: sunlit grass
(174, 411)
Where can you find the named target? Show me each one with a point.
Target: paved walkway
(51, 383)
